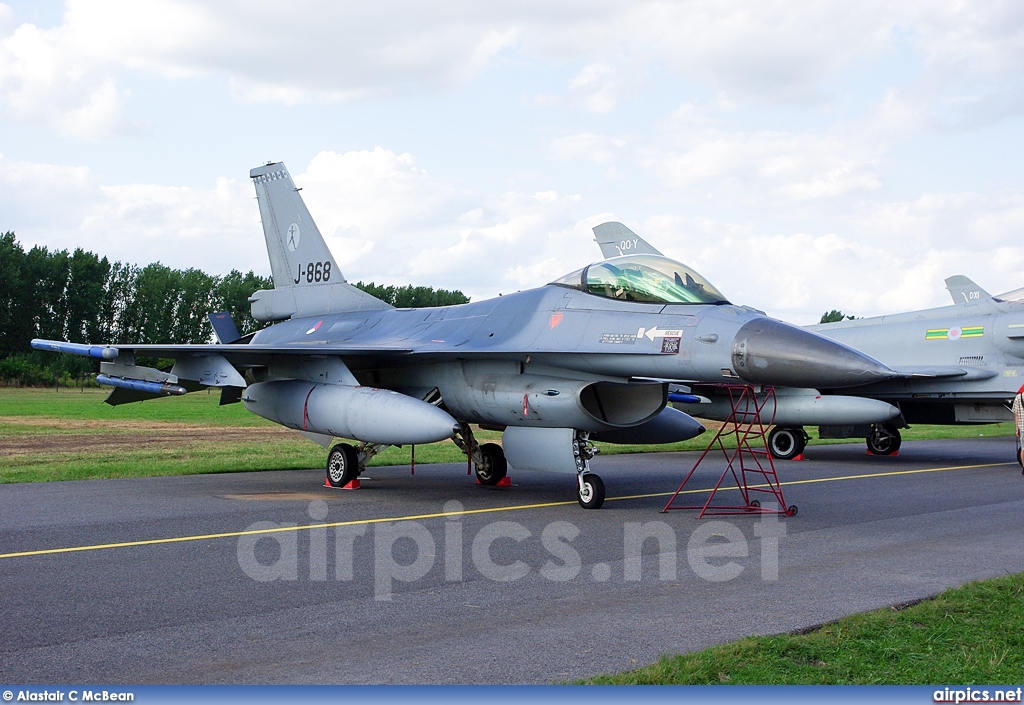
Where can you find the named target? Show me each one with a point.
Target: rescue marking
(464, 512)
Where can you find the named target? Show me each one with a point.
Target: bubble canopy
(1011, 297)
(648, 279)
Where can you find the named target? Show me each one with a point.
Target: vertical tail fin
(298, 254)
(616, 239)
(307, 280)
(963, 290)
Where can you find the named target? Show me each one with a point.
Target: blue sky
(803, 156)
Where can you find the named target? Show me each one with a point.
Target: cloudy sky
(803, 156)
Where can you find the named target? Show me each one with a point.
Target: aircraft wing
(240, 353)
(196, 366)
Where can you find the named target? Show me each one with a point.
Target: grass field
(48, 435)
(969, 635)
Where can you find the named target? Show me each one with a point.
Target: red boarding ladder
(744, 461)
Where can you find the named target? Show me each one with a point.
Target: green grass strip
(968, 635)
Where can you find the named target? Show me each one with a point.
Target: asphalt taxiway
(271, 578)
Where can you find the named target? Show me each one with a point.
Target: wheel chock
(798, 457)
(354, 485)
(503, 482)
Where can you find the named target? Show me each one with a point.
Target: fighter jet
(587, 357)
(958, 364)
(966, 361)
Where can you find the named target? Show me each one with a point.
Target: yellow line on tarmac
(276, 530)
(818, 479)
(436, 515)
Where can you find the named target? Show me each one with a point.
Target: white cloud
(385, 219)
(892, 258)
(597, 84)
(591, 147)
(389, 220)
(45, 78)
(63, 207)
(753, 168)
(72, 76)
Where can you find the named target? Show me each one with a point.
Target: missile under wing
(586, 357)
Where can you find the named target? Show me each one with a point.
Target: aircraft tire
(591, 495)
(884, 439)
(492, 467)
(786, 443)
(342, 465)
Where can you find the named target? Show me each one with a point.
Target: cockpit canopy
(1011, 297)
(648, 279)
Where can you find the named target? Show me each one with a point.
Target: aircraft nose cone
(766, 351)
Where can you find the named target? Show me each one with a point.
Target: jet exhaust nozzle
(767, 351)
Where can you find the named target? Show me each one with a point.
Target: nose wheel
(590, 491)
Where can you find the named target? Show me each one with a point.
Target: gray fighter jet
(587, 357)
(966, 361)
(959, 364)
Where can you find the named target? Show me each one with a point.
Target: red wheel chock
(354, 485)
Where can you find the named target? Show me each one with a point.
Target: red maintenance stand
(746, 462)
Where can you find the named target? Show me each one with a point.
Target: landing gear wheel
(786, 443)
(492, 467)
(342, 465)
(754, 504)
(791, 512)
(590, 491)
(884, 439)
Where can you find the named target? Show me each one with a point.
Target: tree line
(84, 298)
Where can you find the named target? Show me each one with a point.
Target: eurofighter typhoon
(587, 357)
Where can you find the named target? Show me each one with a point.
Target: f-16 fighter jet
(587, 357)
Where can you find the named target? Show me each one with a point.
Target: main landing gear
(345, 462)
(491, 468)
(488, 460)
(342, 465)
(884, 439)
(787, 443)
